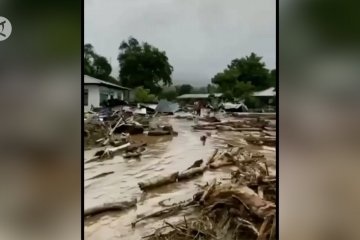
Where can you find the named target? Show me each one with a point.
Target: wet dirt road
(163, 155)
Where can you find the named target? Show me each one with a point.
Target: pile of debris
(93, 131)
(225, 211)
(242, 207)
(259, 131)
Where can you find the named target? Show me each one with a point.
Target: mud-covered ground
(163, 155)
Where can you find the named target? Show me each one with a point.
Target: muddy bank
(163, 155)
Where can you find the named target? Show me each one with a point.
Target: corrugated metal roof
(198, 95)
(95, 81)
(165, 106)
(270, 92)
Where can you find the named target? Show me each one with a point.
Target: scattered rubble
(241, 206)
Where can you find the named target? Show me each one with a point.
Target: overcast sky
(200, 37)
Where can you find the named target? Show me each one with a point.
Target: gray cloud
(200, 37)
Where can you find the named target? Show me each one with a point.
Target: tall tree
(243, 76)
(102, 67)
(273, 78)
(143, 65)
(88, 58)
(95, 65)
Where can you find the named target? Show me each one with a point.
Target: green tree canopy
(143, 65)
(95, 65)
(212, 88)
(273, 78)
(243, 76)
(143, 95)
(169, 95)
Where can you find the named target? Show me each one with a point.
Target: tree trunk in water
(158, 181)
(191, 172)
(116, 206)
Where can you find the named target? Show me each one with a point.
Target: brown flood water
(163, 155)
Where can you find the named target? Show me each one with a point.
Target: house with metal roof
(97, 91)
(270, 92)
(266, 96)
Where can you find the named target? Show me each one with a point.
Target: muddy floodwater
(163, 155)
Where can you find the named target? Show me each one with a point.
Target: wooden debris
(212, 157)
(191, 173)
(158, 181)
(115, 206)
(110, 152)
(169, 210)
(132, 155)
(159, 133)
(197, 163)
(135, 146)
(101, 175)
(208, 191)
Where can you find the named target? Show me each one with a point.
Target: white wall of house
(93, 96)
(96, 94)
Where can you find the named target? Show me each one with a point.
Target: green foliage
(242, 89)
(143, 95)
(96, 66)
(244, 76)
(184, 89)
(252, 102)
(143, 65)
(273, 78)
(168, 95)
(211, 88)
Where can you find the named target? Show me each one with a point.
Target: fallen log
(191, 172)
(220, 123)
(197, 127)
(212, 157)
(248, 198)
(270, 129)
(225, 159)
(268, 133)
(197, 163)
(94, 159)
(172, 210)
(135, 146)
(158, 181)
(225, 128)
(110, 152)
(247, 129)
(132, 154)
(158, 133)
(219, 164)
(100, 175)
(115, 206)
(261, 140)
